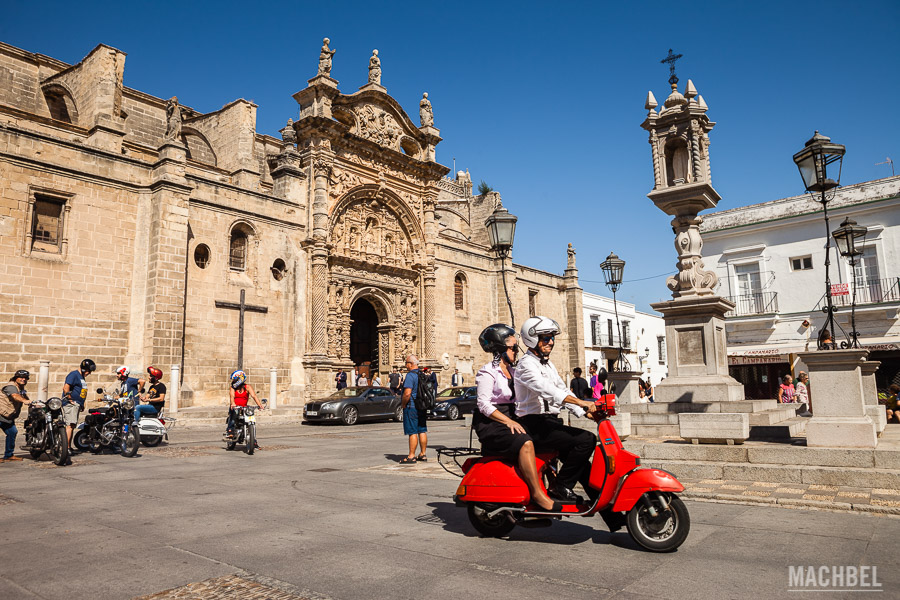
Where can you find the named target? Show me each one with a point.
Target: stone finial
(325, 58)
(702, 103)
(375, 68)
(173, 119)
(690, 91)
(287, 133)
(651, 102)
(426, 115)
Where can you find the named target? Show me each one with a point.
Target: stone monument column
(695, 317)
(574, 312)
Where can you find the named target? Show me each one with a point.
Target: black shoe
(564, 494)
(614, 520)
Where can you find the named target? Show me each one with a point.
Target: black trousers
(574, 446)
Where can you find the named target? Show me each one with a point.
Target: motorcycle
(45, 431)
(153, 429)
(643, 499)
(111, 426)
(243, 429)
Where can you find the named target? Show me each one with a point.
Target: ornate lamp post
(501, 227)
(813, 162)
(613, 268)
(846, 237)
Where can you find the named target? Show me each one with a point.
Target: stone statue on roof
(426, 116)
(375, 68)
(173, 119)
(325, 58)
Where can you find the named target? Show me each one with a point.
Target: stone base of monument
(878, 416)
(841, 432)
(626, 383)
(708, 388)
(621, 422)
(714, 428)
(768, 419)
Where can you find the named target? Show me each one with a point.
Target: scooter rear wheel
(151, 440)
(667, 530)
(497, 526)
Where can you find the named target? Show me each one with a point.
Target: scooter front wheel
(663, 532)
(496, 526)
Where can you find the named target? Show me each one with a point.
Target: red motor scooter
(497, 498)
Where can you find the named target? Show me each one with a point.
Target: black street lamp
(501, 227)
(850, 238)
(613, 268)
(813, 163)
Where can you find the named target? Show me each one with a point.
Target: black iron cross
(242, 307)
(670, 59)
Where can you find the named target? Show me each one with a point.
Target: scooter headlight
(128, 404)
(54, 403)
(249, 411)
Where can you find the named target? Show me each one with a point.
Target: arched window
(459, 292)
(237, 250)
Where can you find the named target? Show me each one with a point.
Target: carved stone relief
(369, 230)
(376, 125)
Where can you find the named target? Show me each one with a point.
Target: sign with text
(840, 289)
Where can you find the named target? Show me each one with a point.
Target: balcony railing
(760, 303)
(873, 291)
(610, 341)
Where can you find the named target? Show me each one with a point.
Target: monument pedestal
(839, 419)
(626, 386)
(697, 352)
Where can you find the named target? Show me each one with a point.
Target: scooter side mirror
(99, 390)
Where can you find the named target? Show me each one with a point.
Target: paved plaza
(326, 512)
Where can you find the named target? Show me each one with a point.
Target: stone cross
(670, 59)
(242, 307)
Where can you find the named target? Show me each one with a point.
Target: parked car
(353, 404)
(454, 402)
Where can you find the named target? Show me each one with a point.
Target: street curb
(795, 503)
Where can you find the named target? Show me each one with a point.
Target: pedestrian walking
(802, 394)
(414, 421)
(12, 398)
(456, 379)
(394, 381)
(340, 380)
(579, 385)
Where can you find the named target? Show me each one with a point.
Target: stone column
(428, 325)
(273, 387)
(574, 314)
(44, 381)
(874, 411)
(384, 348)
(840, 419)
(174, 393)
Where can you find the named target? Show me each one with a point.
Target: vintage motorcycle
(244, 428)
(45, 431)
(111, 426)
(623, 493)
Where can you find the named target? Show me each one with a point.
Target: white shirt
(538, 383)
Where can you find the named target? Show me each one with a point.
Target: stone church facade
(131, 225)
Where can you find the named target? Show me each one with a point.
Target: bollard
(174, 389)
(43, 381)
(273, 392)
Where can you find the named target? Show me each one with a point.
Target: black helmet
(22, 373)
(493, 338)
(88, 365)
(602, 375)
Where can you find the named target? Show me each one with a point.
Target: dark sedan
(353, 404)
(454, 402)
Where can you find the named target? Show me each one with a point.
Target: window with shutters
(459, 292)
(237, 253)
(45, 231)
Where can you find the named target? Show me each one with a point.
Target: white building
(770, 259)
(642, 336)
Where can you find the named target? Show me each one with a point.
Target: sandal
(422, 458)
(409, 460)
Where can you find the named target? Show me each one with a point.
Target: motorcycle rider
(495, 419)
(239, 393)
(12, 398)
(73, 396)
(540, 395)
(128, 386)
(155, 396)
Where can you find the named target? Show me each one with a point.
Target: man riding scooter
(155, 396)
(540, 395)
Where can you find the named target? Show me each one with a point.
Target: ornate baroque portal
(376, 254)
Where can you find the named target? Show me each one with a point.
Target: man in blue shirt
(74, 394)
(128, 386)
(414, 422)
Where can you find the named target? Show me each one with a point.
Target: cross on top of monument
(670, 59)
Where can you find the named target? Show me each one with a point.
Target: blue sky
(541, 100)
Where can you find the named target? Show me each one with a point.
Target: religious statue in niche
(173, 119)
(325, 58)
(426, 116)
(354, 239)
(337, 237)
(370, 241)
(375, 68)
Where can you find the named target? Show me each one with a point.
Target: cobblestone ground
(231, 587)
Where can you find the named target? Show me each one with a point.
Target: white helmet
(123, 371)
(536, 326)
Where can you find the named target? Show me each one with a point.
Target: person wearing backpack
(414, 423)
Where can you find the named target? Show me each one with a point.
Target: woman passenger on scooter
(495, 422)
(239, 393)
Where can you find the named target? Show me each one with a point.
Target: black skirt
(495, 437)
